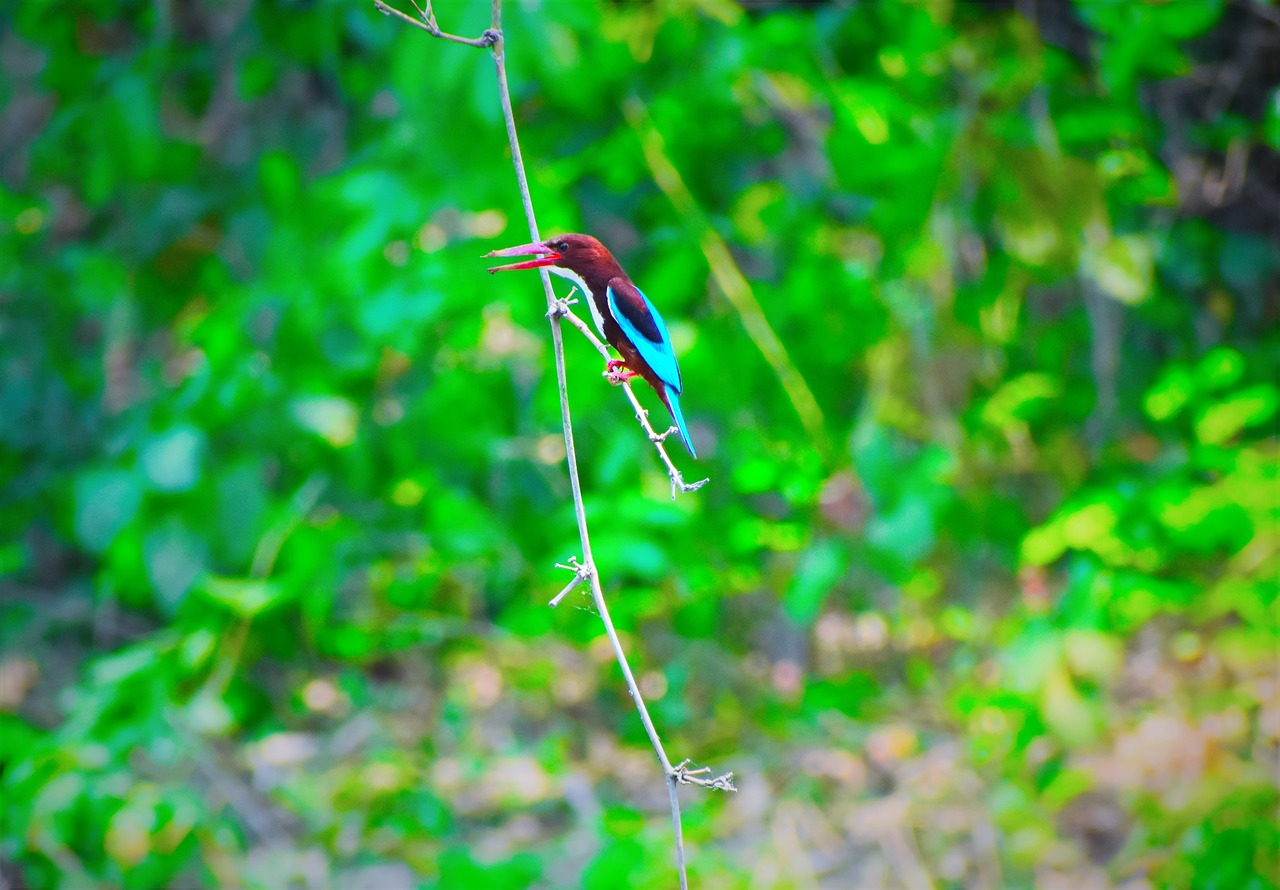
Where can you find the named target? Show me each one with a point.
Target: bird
(625, 317)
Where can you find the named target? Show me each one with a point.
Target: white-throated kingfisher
(622, 313)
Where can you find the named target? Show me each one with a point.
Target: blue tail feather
(672, 398)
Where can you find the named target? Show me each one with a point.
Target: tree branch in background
(585, 571)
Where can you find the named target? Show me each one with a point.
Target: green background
(282, 475)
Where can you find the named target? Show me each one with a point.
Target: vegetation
(982, 591)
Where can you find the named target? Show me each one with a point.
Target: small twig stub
(581, 573)
(685, 776)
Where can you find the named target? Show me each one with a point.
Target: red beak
(545, 256)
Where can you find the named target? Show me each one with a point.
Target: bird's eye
(562, 246)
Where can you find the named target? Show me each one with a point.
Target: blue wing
(645, 328)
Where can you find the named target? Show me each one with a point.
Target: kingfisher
(625, 317)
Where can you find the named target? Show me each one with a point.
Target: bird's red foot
(617, 378)
(617, 372)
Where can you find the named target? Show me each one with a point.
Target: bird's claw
(617, 378)
(617, 372)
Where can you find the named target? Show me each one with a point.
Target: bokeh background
(982, 592)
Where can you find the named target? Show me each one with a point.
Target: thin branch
(428, 24)
(642, 415)
(580, 573)
(557, 309)
(686, 776)
(557, 339)
(584, 571)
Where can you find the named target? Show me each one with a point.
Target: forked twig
(580, 573)
(428, 23)
(685, 776)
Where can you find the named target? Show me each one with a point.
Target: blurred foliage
(282, 471)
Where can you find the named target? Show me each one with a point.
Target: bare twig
(560, 309)
(685, 776)
(580, 573)
(556, 310)
(428, 24)
(557, 339)
(677, 479)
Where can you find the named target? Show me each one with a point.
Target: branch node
(560, 308)
(581, 573)
(686, 487)
(685, 776)
(491, 37)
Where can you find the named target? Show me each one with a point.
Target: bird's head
(579, 254)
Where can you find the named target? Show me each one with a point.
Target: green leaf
(172, 460)
(106, 501)
(1124, 268)
(1183, 19)
(1225, 420)
(246, 597)
(818, 570)
(1066, 786)
(1170, 394)
(114, 669)
(332, 418)
(1271, 120)
(1093, 655)
(1084, 526)
(1219, 368)
(175, 558)
(1068, 713)
(1019, 398)
(907, 531)
(1044, 544)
